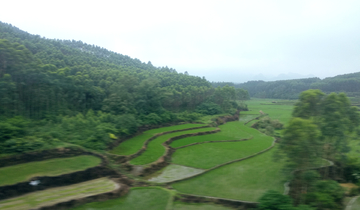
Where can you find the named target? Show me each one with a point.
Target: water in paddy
(174, 172)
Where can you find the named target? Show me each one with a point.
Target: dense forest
(51, 88)
(291, 89)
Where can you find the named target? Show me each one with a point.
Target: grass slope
(58, 194)
(133, 145)
(229, 131)
(246, 180)
(155, 148)
(148, 198)
(52, 167)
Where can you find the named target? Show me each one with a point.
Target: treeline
(84, 93)
(291, 89)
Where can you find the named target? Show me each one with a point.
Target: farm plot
(133, 145)
(52, 167)
(149, 198)
(59, 194)
(229, 131)
(155, 148)
(208, 155)
(245, 180)
(279, 110)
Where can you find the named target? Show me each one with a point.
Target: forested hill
(290, 89)
(74, 87)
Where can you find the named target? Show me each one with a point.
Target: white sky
(224, 40)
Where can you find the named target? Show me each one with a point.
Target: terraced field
(246, 180)
(155, 148)
(52, 167)
(229, 131)
(59, 194)
(132, 145)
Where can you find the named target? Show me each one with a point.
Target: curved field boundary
(227, 163)
(205, 142)
(46, 182)
(48, 154)
(238, 204)
(125, 158)
(164, 160)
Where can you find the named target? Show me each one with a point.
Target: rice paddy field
(149, 198)
(59, 194)
(229, 131)
(52, 167)
(246, 180)
(133, 145)
(277, 109)
(155, 148)
(208, 155)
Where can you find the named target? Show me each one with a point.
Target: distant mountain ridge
(290, 89)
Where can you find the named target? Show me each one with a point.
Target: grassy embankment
(133, 145)
(52, 167)
(155, 148)
(149, 198)
(208, 155)
(59, 194)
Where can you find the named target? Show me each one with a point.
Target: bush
(209, 108)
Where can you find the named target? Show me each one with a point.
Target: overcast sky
(222, 40)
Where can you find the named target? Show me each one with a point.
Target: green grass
(133, 145)
(148, 198)
(155, 148)
(229, 131)
(59, 194)
(208, 155)
(198, 206)
(246, 180)
(281, 110)
(52, 167)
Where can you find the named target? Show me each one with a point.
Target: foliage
(324, 195)
(208, 109)
(272, 200)
(267, 125)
